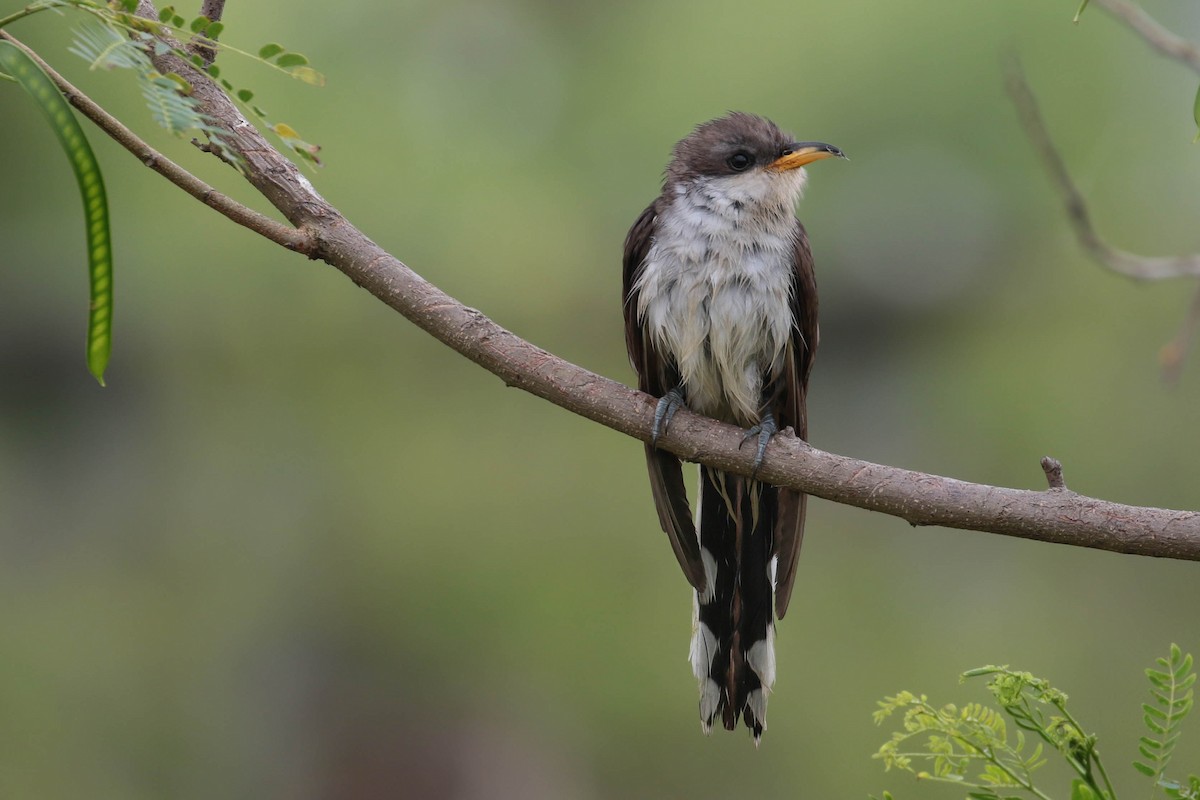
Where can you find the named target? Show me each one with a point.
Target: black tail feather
(733, 642)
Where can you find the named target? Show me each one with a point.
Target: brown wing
(655, 377)
(790, 408)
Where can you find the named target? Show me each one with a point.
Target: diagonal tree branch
(1056, 515)
(1173, 354)
(1142, 268)
(1161, 39)
(261, 224)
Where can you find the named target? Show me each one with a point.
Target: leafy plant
(114, 37)
(167, 96)
(1171, 690)
(151, 35)
(973, 747)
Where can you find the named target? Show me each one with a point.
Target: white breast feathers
(715, 292)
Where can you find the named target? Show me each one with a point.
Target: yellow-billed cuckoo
(721, 317)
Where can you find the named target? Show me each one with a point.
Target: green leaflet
(1196, 115)
(91, 186)
(1171, 688)
(1081, 791)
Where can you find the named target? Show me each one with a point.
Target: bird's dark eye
(740, 161)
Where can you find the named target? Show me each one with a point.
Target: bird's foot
(764, 430)
(668, 404)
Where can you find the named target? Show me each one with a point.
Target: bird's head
(746, 155)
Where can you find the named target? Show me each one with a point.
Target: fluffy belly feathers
(724, 319)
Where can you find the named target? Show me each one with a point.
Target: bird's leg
(670, 402)
(764, 430)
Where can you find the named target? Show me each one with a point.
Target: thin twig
(263, 225)
(1142, 268)
(1174, 353)
(1161, 39)
(1054, 473)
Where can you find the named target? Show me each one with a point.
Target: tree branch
(1142, 268)
(1054, 473)
(1158, 37)
(201, 44)
(261, 224)
(213, 9)
(921, 499)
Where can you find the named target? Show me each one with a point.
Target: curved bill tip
(798, 154)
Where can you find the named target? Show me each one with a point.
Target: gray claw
(764, 430)
(668, 404)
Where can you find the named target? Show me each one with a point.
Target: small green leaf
(213, 71)
(1144, 769)
(199, 24)
(1196, 115)
(245, 95)
(291, 60)
(269, 50)
(1185, 666)
(308, 75)
(226, 85)
(214, 30)
(1082, 6)
(180, 82)
(1081, 791)
(178, 21)
(978, 671)
(139, 23)
(165, 13)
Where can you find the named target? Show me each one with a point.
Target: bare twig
(1174, 353)
(1158, 37)
(1054, 474)
(919, 498)
(261, 224)
(1142, 268)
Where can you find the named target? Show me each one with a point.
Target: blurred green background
(298, 549)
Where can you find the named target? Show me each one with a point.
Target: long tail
(733, 631)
